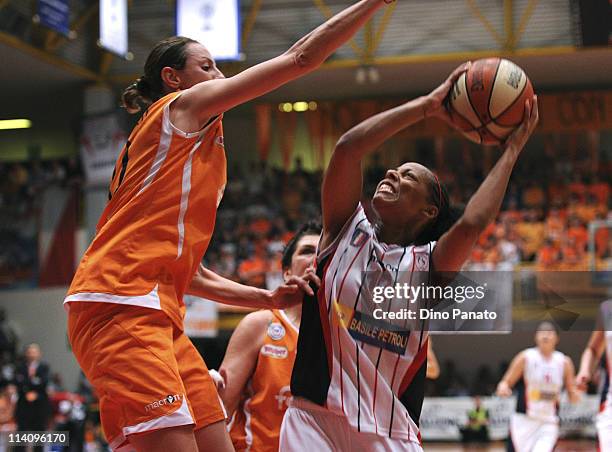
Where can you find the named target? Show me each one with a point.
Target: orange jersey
(257, 421)
(158, 222)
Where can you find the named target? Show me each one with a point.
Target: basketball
(487, 102)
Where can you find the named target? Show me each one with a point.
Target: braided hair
(447, 214)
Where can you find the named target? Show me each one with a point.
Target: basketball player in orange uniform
(125, 302)
(358, 377)
(260, 355)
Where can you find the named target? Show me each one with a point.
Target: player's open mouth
(386, 187)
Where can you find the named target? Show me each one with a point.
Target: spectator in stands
(7, 409)
(602, 239)
(557, 190)
(549, 255)
(578, 233)
(73, 173)
(255, 181)
(577, 188)
(509, 243)
(252, 271)
(599, 189)
(37, 179)
(533, 196)
(531, 232)
(17, 180)
(555, 224)
(8, 338)
(492, 256)
(32, 378)
(512, 212)
(70, 413)
(226, 265)
(572, 255)
(57, 173)
(587, 211)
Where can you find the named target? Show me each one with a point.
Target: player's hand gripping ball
(487, 102)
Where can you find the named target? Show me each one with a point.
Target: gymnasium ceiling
(413, 45)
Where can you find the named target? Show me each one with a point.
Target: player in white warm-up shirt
(545, 371)
(600, 341)
(358, 378)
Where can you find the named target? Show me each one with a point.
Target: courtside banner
(216, 23)
(443, 417)
(388, 305)
(114, 26)
(55, 14)
(201, 317)
(102, 139)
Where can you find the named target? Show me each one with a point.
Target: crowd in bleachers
(21, 184)
(544, 219)
(543, 223)
(33, 396)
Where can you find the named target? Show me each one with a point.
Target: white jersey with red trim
(543, 383)
(376, 365)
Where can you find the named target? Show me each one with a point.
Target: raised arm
(514, 372)
(241, 357)
(207, 284)
(455, 246)
(213, 97)
(342, 184)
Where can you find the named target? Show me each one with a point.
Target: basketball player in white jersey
(544, 370)
(358, 380)
(600, 341)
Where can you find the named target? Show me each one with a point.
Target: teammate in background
(600, 341)
(260, 355)
(358, 381)
(544, 370)
(125, 321)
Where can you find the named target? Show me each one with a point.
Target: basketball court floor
(562, 446)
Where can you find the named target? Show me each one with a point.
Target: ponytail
(137, 95)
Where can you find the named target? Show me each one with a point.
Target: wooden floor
(562, 446)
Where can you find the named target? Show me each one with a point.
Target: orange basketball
(488, 101)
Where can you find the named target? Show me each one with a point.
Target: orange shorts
(146, 372)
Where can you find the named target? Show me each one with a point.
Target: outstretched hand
(435, 101)
(291, 292)
(517, 140)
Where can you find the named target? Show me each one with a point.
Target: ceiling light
(300, 106)
(9, 124)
